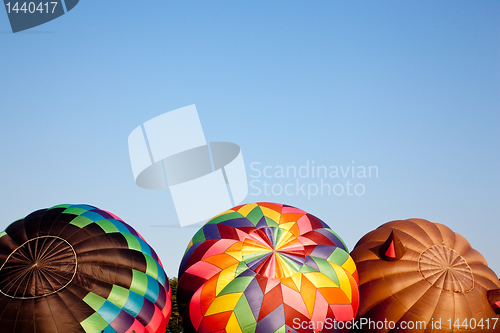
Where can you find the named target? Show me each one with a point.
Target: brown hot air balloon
(420, 276)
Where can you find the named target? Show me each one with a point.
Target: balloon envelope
(266, 267)
(419, 273)
(76, 268)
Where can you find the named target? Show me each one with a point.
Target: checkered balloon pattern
(266, 267)
(77, 268)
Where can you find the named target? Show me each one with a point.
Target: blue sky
(409, 87)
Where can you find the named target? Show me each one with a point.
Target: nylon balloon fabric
(77, 268)
(420, 276)
(266, 267)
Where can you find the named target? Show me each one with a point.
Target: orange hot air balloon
(420, 276)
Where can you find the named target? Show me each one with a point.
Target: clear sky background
(411, 87)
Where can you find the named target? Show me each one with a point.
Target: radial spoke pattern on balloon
(94, 270)
(39, 267)
(258, 267)
(446, 269)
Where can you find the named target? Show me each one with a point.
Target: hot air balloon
(76, 268)
(420, 276)
(266, 267)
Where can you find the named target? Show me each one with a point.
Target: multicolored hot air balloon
(76, 268)
(266, 267)
(420, 276)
